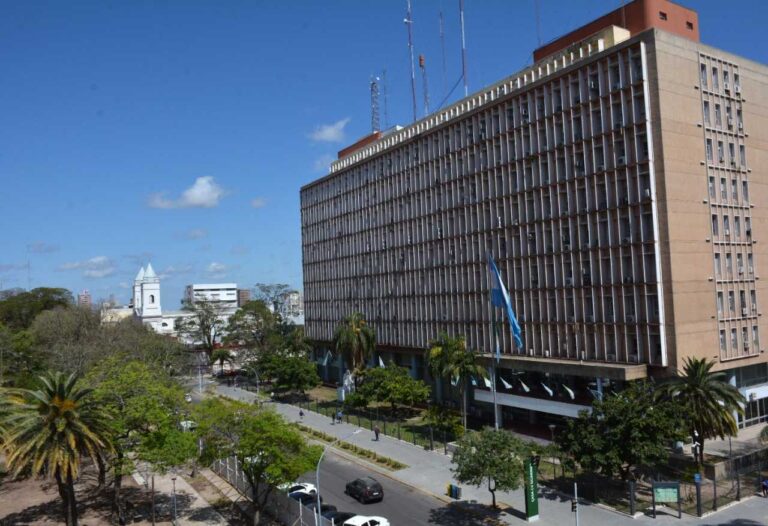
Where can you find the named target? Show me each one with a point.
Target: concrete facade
(587, 177)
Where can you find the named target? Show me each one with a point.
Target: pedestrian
(376, 432)
(301, 414)
(338, 416)
(765, 487)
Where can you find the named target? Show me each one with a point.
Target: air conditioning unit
(647, 193)
(524, 120)
(744, 311)
(583, 355)
(616, 85)
(566, 246)
(630, 318)
(621, 161)
(746, 346)
(741, 270)
(727, 233)
(599, 168)
(571, 319)
(730, 122)
(626, 240)
(737, 88)
(593, 84)
(726, 86)
(546, 353)
(752, 271)
(624, 201)
(568, 282)
(741, 126)
(628, 279)
(733, 162)
(530, 352)
(590, 319)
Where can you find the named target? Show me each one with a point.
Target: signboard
(667, 493)
(531, 490)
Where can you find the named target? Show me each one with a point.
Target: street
(402, 505)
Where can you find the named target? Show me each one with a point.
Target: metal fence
(279, 505)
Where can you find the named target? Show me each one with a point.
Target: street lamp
(317, 472)
(173, 479)
(552, 432)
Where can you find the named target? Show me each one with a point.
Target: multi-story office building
(84, 299)
(225, 295)
(243, 296)
(620, 185)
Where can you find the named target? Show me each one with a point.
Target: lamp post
(173, 479)
(552, 433)
(317, 471)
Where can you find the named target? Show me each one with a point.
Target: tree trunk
(463, 391)
(72, 501)
(102, 471)
(701, 453)
(492, 489)
(117, 504)
(63, 495)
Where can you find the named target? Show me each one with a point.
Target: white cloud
(323, 163)
(40, 247)
(172, 271)
(196, 233)
(96, 267)
(217, 270)
(204, 193)
(259, 202)
(330, 132)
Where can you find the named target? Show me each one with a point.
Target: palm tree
(355, 341)
(707, 400)
(50, 429)
(763, 437)
(221, 356)
(449, 357)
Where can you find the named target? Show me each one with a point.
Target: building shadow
(463, 513)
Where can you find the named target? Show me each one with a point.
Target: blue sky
(180, 132)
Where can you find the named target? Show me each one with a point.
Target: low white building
(223, 294)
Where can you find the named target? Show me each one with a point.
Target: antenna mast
(375, 125)
(386, 98)
(442, 49)
(463, 49)
(538, 20)
(423, 67)
(409, 23)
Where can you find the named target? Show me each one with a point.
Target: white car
(362, 520)
(306, 487)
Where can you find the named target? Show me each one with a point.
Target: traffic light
(574, 505)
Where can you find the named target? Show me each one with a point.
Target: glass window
(722, 340)
(745, 338)
(745, 190)
(709, 149)
(740, 263)
(715, 79)
(742, 155)
(732, 152)
(725, 77)
(734, 340)
(720, 152)
(737, 226)
(718, 116)
(729, 264)
(706, 112)
(751, 270)
(736, 81)
(754, 336)
(704, 75)
(731, 302)
(718, 270)
(726, 225)
(723, 189)
(712, 193)
(720, 303)
(714, 224)
(735, 190)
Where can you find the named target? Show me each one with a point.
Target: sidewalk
(191, 508)
(430, 471)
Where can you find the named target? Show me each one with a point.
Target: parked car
(304, 497)
(299, 486)
(187, 397)
(339, 517)
(324, 508)
(362, 520)
(366, 489)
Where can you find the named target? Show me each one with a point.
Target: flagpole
(493, 349)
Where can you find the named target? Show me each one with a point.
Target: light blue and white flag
(525, 387)
(569, 391)
(504, 382)
(547, 389)
(596, 394)
(500, 298)
(498, 344)
(487, 382)
(455, 381)
(381, 362)
(325, 358)
(474, 382)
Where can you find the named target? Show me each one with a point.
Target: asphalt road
(402, 505)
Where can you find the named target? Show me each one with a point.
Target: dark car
(366, 489)
(324, 508)
(339, 517)
(304, 497)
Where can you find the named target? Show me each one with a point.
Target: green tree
(392, 385)
(251, 326)
(49, 430)
(491, 456)
(355, 340)
(444, 420)
(205, 326)
(270, 451)
(448, 357)
(294, 373)
(143, 404)
(18, 311)
(68, 337)
(221, 356)
(626, 430)
(763, 437)
(272, 294)
(707, 399)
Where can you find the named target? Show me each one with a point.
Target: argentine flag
(500, 298)
(325, 358)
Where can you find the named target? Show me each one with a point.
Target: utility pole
(409, 23)
(375, 124)
(463, 49)
(423, 67)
